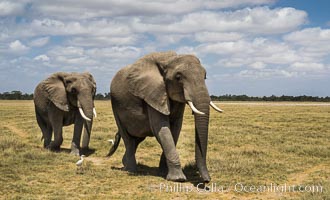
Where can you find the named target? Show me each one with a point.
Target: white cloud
(42, 57)
(102, 41)
(103, 27)
(309, 36)
(70, 56)
(259, 20)
(266, 73)
(231, 4)
(251, 53)
(204, 26)
(264, 57)
(101, 8)
(8, 8)
(69, 51)
(76, 57)
(55, 27)
(223, 48)
(233, 62)
(217, 36)
(167, 39)
(127, 52)
(17, 46)
(111, 8)
(299, 66)
(258, 65)
(39, 42)
(3, 36)
(186, 50)
(312, 41)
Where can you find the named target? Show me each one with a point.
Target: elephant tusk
(194, 109)
(94, 112)
(215, 107)
(83, 114)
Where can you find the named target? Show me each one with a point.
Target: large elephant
(148, 99)
(64, 99)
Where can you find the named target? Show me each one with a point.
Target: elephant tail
(115, 145)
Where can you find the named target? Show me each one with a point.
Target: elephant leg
(129, 160)
(131, 143)
(160, 127)
(46, 130)
(75, 145)
(56, 119)
(86, 135)
(58, 138)
(48, 136)
(175, 131)
(176, 118)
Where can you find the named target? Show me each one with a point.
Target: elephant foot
(47, 147)
(130, 169)
(176, 177)
(204, 174)
(176, 174)
(129, 164)
(206, 177)
(46, 144)
(74, 149)
(53, 147)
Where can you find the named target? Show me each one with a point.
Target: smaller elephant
(64, 99)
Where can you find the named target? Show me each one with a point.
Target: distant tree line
(15, 95)
(229, 97)
(18, 95)
(105, 96)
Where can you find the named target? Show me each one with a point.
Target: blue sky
(253, 47)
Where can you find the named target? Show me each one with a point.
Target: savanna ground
(250, 144)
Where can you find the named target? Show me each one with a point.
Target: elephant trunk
(86, 104)
(201, 133)
(86, 135)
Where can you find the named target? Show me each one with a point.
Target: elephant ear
(145, 79)
(90, 78)
(55, 88)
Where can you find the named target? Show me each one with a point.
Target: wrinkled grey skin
(56, 102)
(148, 99)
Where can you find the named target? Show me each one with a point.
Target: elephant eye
(68, 81)
(73, 90)
(178, 77)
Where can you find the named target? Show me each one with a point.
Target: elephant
(148, 99)
(64, 99)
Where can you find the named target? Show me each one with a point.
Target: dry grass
(252, 144)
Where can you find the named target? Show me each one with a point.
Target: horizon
(248, 47)
(223, 95)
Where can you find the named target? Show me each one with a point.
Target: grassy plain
(251, 145)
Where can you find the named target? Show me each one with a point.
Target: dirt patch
(296, 179)
(16, 131)
(97, 161)
(301, 177)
